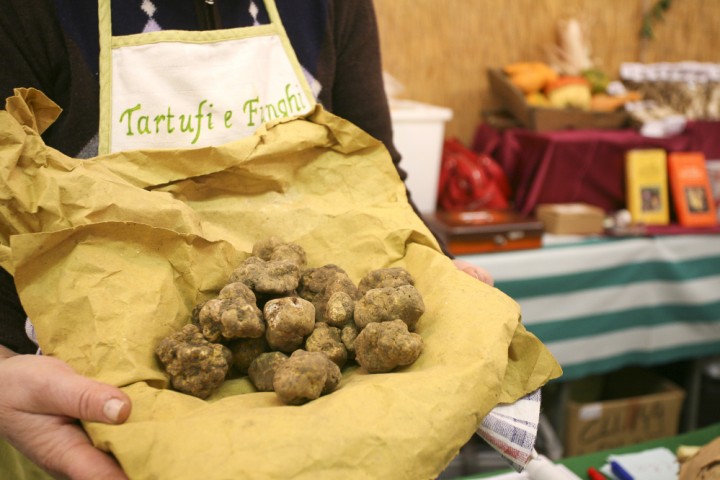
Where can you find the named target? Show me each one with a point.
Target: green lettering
(165, 123)
(301, 97)
(199, 115)
(282, 107)
(272, 113)
(170, 116)
(228, 117)
(292, 98)
(143, 124)
(128, 112)
(210, 120)
(186, 123)
(158, 120)
(250, 108)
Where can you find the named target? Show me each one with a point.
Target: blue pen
(619, 471)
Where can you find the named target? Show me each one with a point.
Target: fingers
(6, 352)
(45, 385)
(40, 400)
(85, 462)
(85, 399)
(79, 397)
(483, 276)
(92, 464)
(474, 271)
(62, 448)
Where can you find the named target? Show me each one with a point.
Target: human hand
(40, 401)
(474, 271)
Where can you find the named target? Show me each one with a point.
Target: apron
(187, 89)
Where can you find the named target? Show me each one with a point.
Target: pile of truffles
(291, 328)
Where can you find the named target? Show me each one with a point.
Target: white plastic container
(419, 131)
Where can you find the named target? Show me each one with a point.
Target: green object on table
(581, 463)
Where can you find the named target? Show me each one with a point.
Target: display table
(580, 464)
(600, 304)
(580, 165)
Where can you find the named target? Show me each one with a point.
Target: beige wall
(440, 49)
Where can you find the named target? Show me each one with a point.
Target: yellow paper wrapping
(111, 254)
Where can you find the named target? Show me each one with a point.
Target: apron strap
(275, 20)
(105, 75)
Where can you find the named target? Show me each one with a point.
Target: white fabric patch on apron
(164, 100)
(187, 89)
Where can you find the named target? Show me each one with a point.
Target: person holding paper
(326, 51)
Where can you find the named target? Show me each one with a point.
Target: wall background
(440, 50)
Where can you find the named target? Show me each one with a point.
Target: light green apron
(187, 89)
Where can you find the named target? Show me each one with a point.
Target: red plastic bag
(470, 180)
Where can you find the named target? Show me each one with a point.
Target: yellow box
(646, 186)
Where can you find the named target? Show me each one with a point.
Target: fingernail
(112, 409)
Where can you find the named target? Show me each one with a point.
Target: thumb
(89, 400)
(70, 394)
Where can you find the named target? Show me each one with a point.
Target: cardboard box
(543, 119)
(418, 134)
(571, 218)
(622, 408)
(484, 231)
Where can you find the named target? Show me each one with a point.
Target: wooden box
(571, 218)
(484, 231)
(543, 119)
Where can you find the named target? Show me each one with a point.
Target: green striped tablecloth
(600, 304)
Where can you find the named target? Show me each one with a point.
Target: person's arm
(350, 71)
(353, 88)
(42, 398)
(34, 52)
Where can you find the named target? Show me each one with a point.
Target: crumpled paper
(111, 254)
(704, 465)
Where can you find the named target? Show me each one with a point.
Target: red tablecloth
(580, 165)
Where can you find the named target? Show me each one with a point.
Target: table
(601, 303)
(580, 464)
(580, 165)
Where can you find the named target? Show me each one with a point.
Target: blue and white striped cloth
(512, 429)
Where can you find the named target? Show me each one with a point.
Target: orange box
(691, 191)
